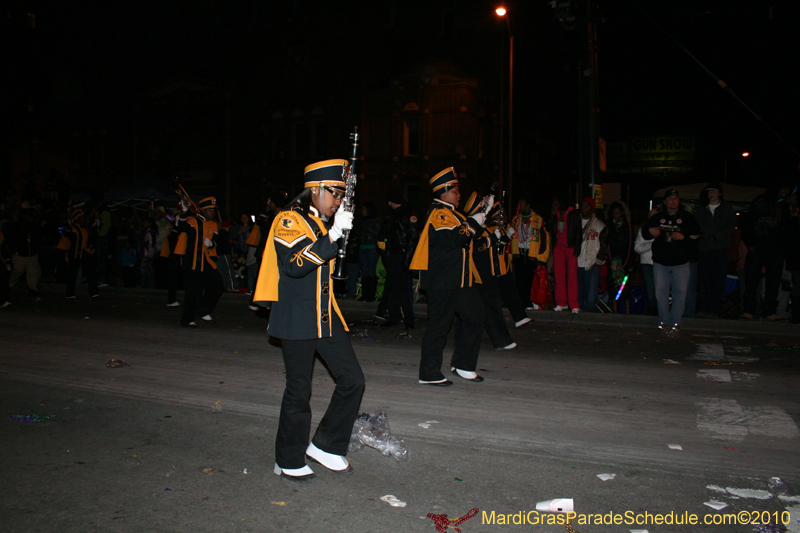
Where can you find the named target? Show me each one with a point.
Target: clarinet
(501, 222)
(349, 205)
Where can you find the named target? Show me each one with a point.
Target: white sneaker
(253, 307)
(174, 304)
(102, 284)
(560, 308)
(337, 463)
(70, 297)
(510, 346)
(522, 322)
(208, 318)
(300, 475)
(6, 304)
(576, 311)
(469, 375)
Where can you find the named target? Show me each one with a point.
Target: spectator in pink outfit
(565, 227)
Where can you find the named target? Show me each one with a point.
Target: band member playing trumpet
(197, 241)
(295, 280)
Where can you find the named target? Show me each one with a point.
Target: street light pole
(503, 13)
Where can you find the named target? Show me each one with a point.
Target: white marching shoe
(522, 322)
(337, 463)
(300, 475)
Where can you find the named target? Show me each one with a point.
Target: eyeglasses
(338, 195)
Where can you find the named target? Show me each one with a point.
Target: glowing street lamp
(501, 12)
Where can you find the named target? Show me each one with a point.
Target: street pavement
(181, 438)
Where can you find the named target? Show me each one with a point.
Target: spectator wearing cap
(443, 258)
(674, 232)
(717, 222)
(593, 254)
(295, 279)
(400, 238)
(197, 243)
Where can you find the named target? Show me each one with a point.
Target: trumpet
(186, 200)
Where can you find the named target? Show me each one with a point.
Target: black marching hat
(444, 181)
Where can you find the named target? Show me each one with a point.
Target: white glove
(184, 206)
(489, 200)
(497, 233)
(510, 232)
(208, 242)
(342, 222)
(480, 218)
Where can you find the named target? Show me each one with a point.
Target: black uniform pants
(202, 290)
(397, 289)
(443, 305)
(87, 265)
(495, 321)
(294, 426)
(510, 296)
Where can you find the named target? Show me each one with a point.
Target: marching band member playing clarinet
(295, 280)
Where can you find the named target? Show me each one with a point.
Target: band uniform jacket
(76, 241)
(295, 277)
(488, 263)
(193, 231)
(444, 253)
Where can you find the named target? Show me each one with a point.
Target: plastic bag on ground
(373, 430)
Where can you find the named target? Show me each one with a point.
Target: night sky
(87, 61)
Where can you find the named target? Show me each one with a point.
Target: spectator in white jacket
(644, 249)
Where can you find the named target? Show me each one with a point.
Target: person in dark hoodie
(765, 233)
(717, 222)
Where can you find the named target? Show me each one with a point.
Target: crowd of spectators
(682, 259)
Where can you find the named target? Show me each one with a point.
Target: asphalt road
(181, 439)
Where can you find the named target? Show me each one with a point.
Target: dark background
(86, 79)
